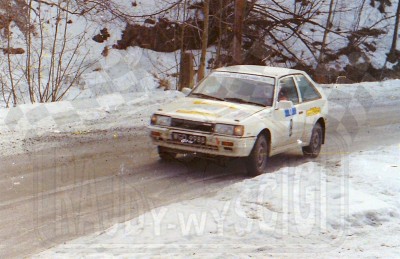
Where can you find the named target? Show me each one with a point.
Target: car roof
(260, 70)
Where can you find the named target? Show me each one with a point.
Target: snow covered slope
(138, 70)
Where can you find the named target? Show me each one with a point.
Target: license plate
(188, 139)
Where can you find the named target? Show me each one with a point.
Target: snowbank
(106, 112)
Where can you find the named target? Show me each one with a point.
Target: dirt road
(95, 180)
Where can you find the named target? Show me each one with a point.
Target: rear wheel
(257, 161)
(165, 154)
(314, 148)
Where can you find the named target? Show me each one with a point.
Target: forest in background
(327, 38)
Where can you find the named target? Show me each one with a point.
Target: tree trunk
(219, 46)
(28, 74)
(182, 45)
(10, 67)
(326, 32)
(396, 30)
(204, 44)
(238, 31)
(187, 71)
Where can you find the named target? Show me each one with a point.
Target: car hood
(209, 110)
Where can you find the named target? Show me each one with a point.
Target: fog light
(155, 134)
(227, 144)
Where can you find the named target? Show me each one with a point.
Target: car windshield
(234, 87)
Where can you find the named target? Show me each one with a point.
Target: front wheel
(314, 148)
(257, 161)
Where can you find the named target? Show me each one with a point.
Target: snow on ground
(348, 209)
(126, 71)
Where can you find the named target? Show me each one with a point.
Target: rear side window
(288, 90)
(307, 90)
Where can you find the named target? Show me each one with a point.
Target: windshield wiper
(207, 96)
(238, 100)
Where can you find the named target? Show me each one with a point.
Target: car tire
(165, 155)
(256, 162)
(314, 148)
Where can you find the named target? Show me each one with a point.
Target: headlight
(229, 129)
(160, 120)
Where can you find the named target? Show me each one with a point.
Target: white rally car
(244, 111)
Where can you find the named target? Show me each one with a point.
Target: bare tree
(182, 45)
(238, 31)
(206, 10)
(393, 49)
(328, 27)
(53, 60)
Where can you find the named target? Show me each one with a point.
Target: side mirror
(186, 91)
(284, 105)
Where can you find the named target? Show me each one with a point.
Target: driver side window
(288, 91)
(308, 92)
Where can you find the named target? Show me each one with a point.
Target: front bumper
(215, 144)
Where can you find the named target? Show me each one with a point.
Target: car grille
(192, 125)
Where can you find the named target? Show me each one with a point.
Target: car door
(311, 103)
(291, 120)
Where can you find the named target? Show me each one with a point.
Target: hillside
(71, 49)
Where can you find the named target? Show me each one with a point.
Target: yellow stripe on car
(197, 113)
(313, 111)
(215, 104)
